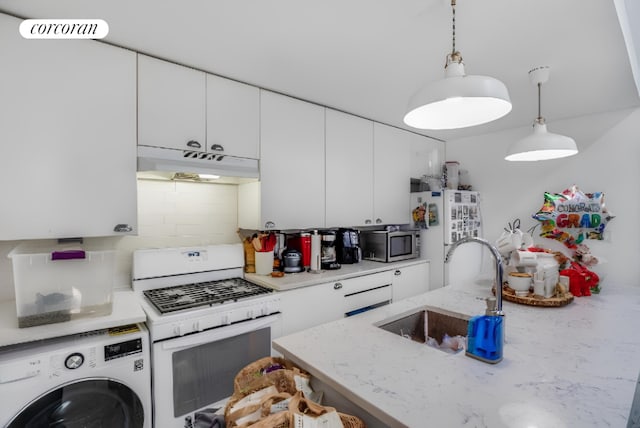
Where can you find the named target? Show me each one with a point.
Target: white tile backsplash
(170, 214)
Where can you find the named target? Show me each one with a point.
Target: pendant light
(541, 145)
(458, 100)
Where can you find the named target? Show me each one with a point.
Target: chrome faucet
(498, 264)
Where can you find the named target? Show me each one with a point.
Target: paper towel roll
(315, 252)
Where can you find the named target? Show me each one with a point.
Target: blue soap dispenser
(485, 335)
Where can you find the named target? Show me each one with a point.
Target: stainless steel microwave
(386, 246)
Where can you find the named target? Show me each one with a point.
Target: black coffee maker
(348, 246)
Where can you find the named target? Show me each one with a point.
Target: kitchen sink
(438, 323)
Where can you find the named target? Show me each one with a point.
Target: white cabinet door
(349, 170)
(410, 281)
(391, 159)
(171, 105)
(68, 132)
(307, 307)
(427, 156)
(233, 117)
(291, 162)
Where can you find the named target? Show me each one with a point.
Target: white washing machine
(96, 379)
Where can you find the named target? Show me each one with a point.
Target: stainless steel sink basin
(438, 323)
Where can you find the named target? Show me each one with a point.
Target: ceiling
(368, 57)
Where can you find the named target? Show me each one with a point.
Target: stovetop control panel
(195, 320)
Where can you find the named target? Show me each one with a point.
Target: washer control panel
(74, 361)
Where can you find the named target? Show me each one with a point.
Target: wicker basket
(275, 375)
(257, 369)
(300, 406)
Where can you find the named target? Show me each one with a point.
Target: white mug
(527, 241)
(509, 241)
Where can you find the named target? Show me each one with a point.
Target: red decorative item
(581, 279)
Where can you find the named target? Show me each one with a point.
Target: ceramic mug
(510, 241)
(527, 241)
(520, 282)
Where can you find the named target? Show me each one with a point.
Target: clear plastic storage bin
(60, 284)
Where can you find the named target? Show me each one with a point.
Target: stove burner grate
(211, 293)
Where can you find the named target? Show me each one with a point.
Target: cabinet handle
(217, 148)
(194, 144)
(337, 286)
(397, 273)
(367, 221)
(378, 220)
(122, 228)
(269, 225)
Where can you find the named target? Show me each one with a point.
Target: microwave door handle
(220, 333)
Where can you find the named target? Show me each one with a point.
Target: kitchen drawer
(365, 282)
(370, 297)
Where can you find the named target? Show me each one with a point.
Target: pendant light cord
(454, 56)
(540, 119)
(453, 26)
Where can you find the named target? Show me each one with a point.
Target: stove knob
(250, 314)
(177, 331)
(196, 326)
(224, 319)
(265, 310)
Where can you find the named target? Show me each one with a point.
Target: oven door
(192, 373)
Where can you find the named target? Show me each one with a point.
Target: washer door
(85, 403)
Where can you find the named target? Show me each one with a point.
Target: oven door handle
(220, 333)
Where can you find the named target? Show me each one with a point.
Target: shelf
(126, 310)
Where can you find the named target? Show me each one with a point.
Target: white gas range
(205, 321)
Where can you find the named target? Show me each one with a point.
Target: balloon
(573, 216)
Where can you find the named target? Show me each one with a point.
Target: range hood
(163, 163)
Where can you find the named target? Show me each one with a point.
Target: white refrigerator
(443, 218)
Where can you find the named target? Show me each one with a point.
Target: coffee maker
(348, 246)
(328, 250)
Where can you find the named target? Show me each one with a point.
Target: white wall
(170, 214)
(608, 161)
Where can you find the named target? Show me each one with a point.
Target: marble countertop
(126, 310)
(574, 366)
(291, 281)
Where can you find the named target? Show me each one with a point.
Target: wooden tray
(530, 299)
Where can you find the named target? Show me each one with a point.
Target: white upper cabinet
(233, 118)
(171, 105)
(68, 132)
(367, 167)
(292, 188)
(349, 170)
(391, 180)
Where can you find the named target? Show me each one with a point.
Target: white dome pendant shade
(541, 144)
(458, 100)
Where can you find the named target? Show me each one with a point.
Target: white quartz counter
(574, 366)
(304, 279)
